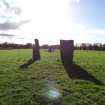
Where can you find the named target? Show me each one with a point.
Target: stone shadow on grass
(76, 72)
(28, 63)
(25, 65)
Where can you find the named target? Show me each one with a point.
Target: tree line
(81, 46)
(6, 45)
(89, 46)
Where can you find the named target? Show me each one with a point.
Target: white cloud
(8, 10)
(50, 20)
(75, 1)
(97, 31)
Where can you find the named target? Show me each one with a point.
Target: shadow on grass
(76, 72)
(25, 65)
(28, 63)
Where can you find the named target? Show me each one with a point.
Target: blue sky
(90, 12)
(52, 20)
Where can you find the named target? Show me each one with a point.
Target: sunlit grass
(29, 86)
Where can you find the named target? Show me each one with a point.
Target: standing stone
(66, 49)
(36, 52)
(50, 49)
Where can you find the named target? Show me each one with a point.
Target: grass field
(33, 85)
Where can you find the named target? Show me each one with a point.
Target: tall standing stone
(36, 50)
(66, 49)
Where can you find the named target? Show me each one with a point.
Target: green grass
(30, 86)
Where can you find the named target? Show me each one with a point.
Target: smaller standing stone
(36, 52)
(50, 49)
